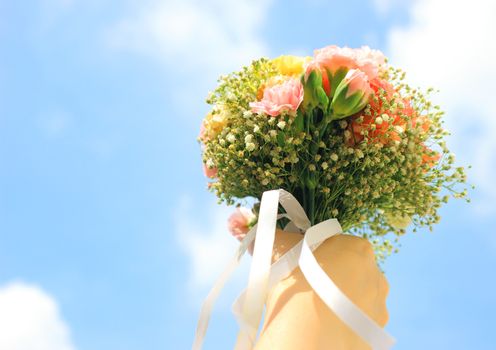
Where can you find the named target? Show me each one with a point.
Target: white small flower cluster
(375, 178)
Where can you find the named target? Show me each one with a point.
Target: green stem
(311, 205)
(304, 193)
(325, 122)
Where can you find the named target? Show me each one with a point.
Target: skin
(297, 319)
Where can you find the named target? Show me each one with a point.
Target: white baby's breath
(373, 170)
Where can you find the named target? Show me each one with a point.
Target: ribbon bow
(248, 307)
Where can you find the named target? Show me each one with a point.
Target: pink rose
(211, 173)
(239, 222)
(286, 96)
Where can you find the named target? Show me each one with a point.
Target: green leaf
(331, 84)
(310, 86)
(337, 78)
(323, 100)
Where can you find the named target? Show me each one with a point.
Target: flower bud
(314, 85)
(240, 222)
(352, 94)
(209, 171)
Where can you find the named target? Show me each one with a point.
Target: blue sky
(104, 210)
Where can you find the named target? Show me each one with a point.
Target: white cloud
(450, 45)
(30, 320)
(383, 6)
(204, 237)
(386, 7)
(201, 39)
(193, 34)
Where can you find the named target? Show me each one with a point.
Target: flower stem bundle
(342, 132)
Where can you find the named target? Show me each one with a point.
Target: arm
(297, 319)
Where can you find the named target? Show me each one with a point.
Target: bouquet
(342, 131)
(330, 143)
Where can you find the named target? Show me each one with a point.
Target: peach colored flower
(211, 173)
(369, 61)
(239, 222)
(334, 57)
(284, 97)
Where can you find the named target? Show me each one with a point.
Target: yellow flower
(290, 65)
(215, 121)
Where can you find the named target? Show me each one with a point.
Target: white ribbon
(248, 307)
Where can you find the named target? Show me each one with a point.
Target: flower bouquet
(345, 137)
